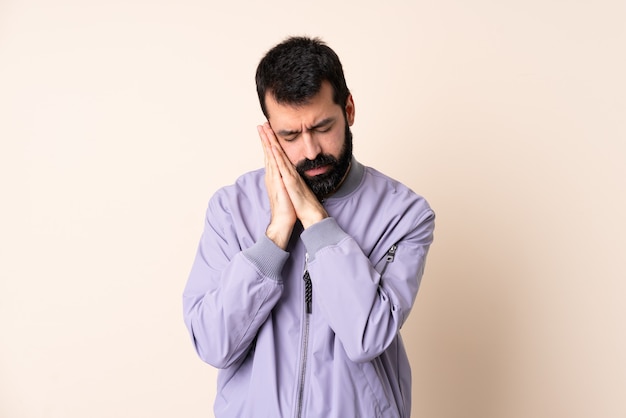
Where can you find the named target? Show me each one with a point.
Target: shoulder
(380, 211)
(373, 177)
(248, 190)
(391, 192)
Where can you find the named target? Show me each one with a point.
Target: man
(306, 270)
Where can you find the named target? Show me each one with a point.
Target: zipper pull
(308, 286)
(391, 254)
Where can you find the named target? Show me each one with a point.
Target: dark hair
(293, 72)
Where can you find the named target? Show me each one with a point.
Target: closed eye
(288, 135)
(324, 125)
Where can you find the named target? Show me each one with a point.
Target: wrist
(314, 217)
(279, 234)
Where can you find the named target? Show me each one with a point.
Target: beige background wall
(119, 119)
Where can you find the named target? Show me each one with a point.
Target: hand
(283, 214)
(306, 205)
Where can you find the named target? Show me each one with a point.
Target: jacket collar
(352, 181)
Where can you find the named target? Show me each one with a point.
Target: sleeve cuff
(322, 234)
(267, 257)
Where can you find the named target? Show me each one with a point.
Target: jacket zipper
(389, 257)
(308, 302)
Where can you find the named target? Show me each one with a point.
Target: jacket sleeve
(364, 309)
(230, 292)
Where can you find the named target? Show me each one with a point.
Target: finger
(270, 160)
(275, 146)
(277, 151)
(269, 133)
(283, 164)
(276, 154)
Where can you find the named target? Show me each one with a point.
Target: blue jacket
(321, 344)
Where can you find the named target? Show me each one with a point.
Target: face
(316, 138)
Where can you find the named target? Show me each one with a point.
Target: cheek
(334, 144)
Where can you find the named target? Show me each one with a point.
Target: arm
(364, 310)
(230, 292)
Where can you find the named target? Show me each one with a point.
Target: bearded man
(307, 268)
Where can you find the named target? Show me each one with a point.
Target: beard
(324, 184)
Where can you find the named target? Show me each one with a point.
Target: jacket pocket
(388, 258)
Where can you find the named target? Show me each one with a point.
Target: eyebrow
(320, 124)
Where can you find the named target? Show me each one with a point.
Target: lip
(317, 171)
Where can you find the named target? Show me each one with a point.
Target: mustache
(319, 161)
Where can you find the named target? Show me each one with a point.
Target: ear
(350, 109)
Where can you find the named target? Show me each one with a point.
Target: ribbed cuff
(267, 257)
(322, 234)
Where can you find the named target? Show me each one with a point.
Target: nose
(312, 147)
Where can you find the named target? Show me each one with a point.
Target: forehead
(317, 107)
